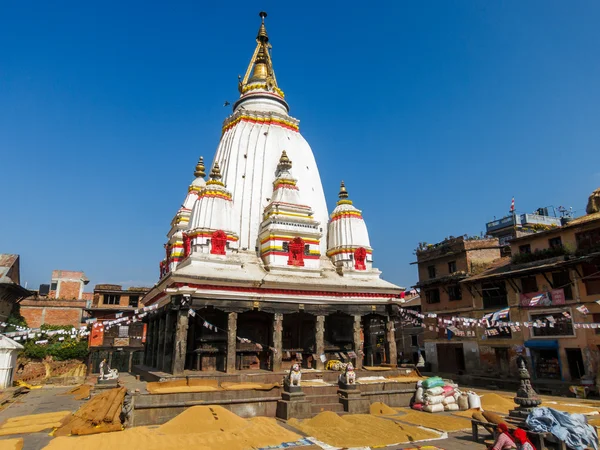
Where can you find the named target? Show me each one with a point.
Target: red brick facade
(52, 312)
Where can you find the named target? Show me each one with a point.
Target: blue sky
(435, 113)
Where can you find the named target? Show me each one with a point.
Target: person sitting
(504, 441)
(523, 442)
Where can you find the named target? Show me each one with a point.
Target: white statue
(294, 377)
(349, 375)
(106, 373)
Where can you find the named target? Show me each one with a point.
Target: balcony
(534, 221)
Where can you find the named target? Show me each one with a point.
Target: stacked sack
(436, 395)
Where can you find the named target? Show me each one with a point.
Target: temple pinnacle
(284, 162)
(215, 173)
(262, 31)
(343, 192)
(200, 168)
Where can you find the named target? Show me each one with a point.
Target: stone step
(323, 399)
(334, 407)
(320, 390)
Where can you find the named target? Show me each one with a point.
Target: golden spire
(261, 62)
(284, 162)
(343, 192)
(200, 168)
(343, 195)
(215, 173)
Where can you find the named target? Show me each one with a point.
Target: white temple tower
(254, 250)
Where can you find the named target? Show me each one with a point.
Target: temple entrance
(375, 348)
(298, 339)
(338, 336)
(257, 328)
(207, 341)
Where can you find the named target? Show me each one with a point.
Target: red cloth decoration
(296, 252)
(218, 241)
(360, 254)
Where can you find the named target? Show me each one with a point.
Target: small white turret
(211, 224)
(348, 244)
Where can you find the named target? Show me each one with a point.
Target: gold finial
(343, 192)
(215, 173)
(284, 162)
(200, 168)
(262, 31)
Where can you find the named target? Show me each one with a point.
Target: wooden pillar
(390, 335)
(156, 332)
(231, 342)
(148, 344)
(277, 341)
(358, 343)
(180, 342)
(320, 341)
(167, 349)
(160, 348)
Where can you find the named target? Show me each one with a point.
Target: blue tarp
(573, 429)
(542, 343)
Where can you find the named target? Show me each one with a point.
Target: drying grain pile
(570, 408)
(381, 409)
(248, 386)
(11, 444)
(205, 427)
(98, 415)
(497, 403)
(33, 423)
(81, 392)
(439, 422)
(358, 430)
(203, 385)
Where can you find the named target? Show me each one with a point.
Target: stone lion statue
(348, 376)
(593, 205)
(294, 376)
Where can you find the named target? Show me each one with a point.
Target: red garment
(521, 437)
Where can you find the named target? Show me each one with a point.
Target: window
(307, 249)
(123, 331)
(285, 247)
(555, 242)
(561, 280)
(414, 340)
(499, 332)
(588, 240)
(431, 270)
(562, 326)
(54, 286)
(134, 300)
(432, 296)
(596, 319)
(494, 295)
(451, 267)
(528, 285)
(454, 293)
(591, 278)
(111, 299)
(525, 248)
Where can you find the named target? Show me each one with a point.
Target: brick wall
(52, 312)
(69, 290)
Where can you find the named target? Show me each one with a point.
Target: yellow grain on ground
(377, 368)
(32, 423)
(497, 403)
(594, 422)
(573, 409)
(441, 422)
(381, 409)
(11, 444)
(206, 427)
(357, 430)
(405, 378)
(468, 413)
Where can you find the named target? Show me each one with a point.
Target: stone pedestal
(526, 398)
(293, 404)
(352, 399)
(107, 384)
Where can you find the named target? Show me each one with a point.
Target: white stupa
(258, 231)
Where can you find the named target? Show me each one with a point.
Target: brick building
(63, 302)
(122, 345)
(442, 267)
(11, 291)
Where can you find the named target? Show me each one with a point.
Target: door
(575, 361)
(451, 358)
